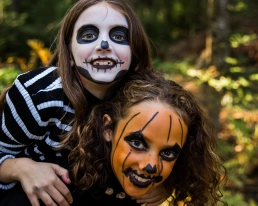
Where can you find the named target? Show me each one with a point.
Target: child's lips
(103, 63)
(140, 180)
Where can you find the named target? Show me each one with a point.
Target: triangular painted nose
(150, 170)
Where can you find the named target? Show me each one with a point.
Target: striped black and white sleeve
(29, 110)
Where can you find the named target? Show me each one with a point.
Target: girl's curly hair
(198, 171)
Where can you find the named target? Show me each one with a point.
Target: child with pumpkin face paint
(100, 44)
(153, 132)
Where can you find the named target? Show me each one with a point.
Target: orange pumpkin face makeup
(145, 146)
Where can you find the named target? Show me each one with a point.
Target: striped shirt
(33, 117)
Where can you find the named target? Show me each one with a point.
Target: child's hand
(42, 181)
(154, 197)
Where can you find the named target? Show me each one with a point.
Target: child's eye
(168, 155)
(89, 36)
(137, 145)
(119, 35)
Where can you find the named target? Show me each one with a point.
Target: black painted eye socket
(119, 35)
(87, 34)
(137, 145)
(136, 141)
(168, 155)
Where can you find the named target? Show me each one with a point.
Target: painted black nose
(149, 169)
(104, 45)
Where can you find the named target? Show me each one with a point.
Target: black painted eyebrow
(175, 148)
(136, 136)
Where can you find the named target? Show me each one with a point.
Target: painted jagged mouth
(141, 181)
(104, 63)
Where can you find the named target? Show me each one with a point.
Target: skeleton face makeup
(100, 44)
(145, 146)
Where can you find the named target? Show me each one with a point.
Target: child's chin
(136, 192)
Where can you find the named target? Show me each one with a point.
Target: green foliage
(174, 67)
(236, 198)
(166, 20)
(23, 20)
(238, 138)
(7, 76)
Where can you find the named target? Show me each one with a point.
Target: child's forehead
(148, 106)
(158, 122)
(102, 13)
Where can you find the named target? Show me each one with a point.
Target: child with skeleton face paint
(99, 45)
(153, 132)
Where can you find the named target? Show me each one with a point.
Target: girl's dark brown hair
(197, 172)
(62, 57)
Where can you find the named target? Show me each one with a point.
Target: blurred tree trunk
(16, 6)
(217, 44)
(217, 49)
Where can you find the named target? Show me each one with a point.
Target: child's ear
(108, 133)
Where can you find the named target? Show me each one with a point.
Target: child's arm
(39, 180)
(154, 197)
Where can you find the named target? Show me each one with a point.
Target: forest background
(209, 46)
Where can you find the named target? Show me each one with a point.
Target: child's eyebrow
(175, 148)
(136, 136)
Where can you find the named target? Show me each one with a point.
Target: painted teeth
(140, 179)
(103, 63)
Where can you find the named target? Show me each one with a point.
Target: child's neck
(98, 90)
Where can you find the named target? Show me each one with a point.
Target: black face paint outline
(87, 29)
(182, 134)
(138, 137)
(112, 158)
(122, 32)
(123, 165)
(175, 150)
(111, 63)
(149, 169)
(85, 73)
(170, 127)
(136, 179)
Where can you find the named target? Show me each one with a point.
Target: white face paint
(100, 44)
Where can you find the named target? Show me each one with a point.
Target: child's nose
(150, 169)
(103, 45)
(150, 164)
